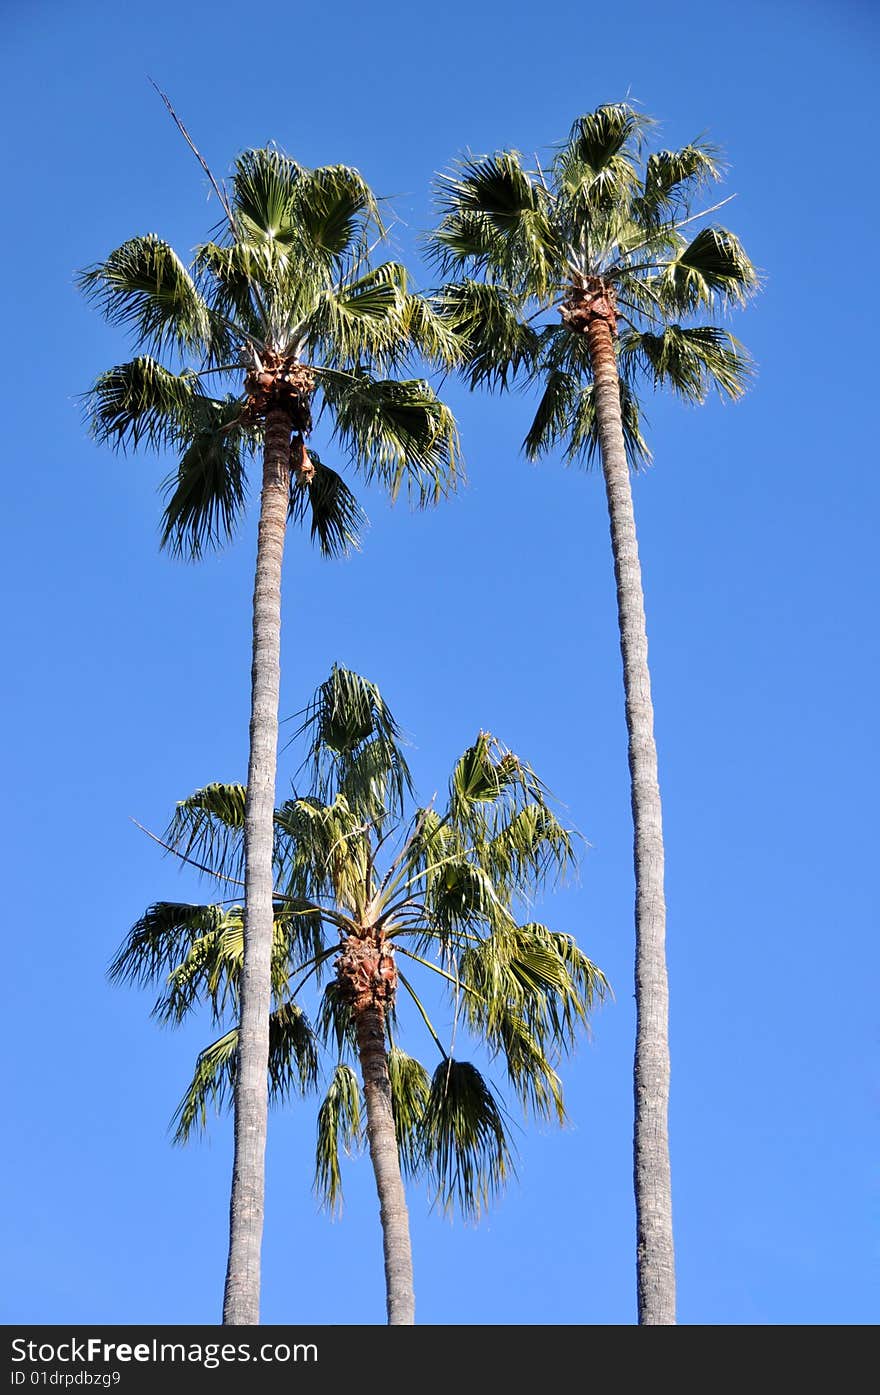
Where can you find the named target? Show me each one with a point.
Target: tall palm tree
(359, 882)
(286, 311)
(606, 237)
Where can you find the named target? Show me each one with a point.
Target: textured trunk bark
(655, 1256)
(242, 1297)
(382, 1140)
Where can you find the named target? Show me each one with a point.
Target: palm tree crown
(362, 885)
(285, 311)
(605, 231)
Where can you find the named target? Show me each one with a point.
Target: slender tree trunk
(382, 1140)
(242, 1297)
(655, 1256)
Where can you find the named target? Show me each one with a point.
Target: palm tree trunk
(655, 1256)
(242, 1297)
(382, 1141)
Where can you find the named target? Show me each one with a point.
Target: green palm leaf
(293, 1067)
(207, 494)
(336, 519)
(692, 360)
(466, 1143)
(140, 402)
(143, 286)
(398, 431)
(410, 1092)
(339, 1125)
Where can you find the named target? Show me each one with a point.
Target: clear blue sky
(127, 673)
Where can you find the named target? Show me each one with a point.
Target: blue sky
(127, 673)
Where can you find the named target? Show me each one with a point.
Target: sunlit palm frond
(264, 197)
(466, 1144)
(141, 401)
(144, 287)
(346, 718)
(206, 495)
(398, 432)
(429, 331)
(410, 1091)
(327, 852)
(529, 848)
(364, 318)
(335, 209)
(529, 1069)
(234, 274)
(161, 938)
(672, 178)
(692, 360)
(339, 1125)
(292, 1068)
(712, 267)
(489, 782)
(496, 214)
(595, 170)
(496, 343)
(211, 1086)
(208, 826)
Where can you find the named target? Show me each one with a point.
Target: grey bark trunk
(242, 1297)
(382, 1141)
(655, 1256)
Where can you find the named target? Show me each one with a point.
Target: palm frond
(466, 1143)
(339, 1125)
(161, 938)
(496, 216)
(293, 1066)
(530, 848)
(553, 414)
(144, 287)
(335, 209)
(595, 170)
(212, 1084)
(207, 493)
(496, 343)
(365, 318)
(293, 1053)
(712, 266)
(671, 179)
(346, 719)
(208, 826)
(325, 853)
(429, 331)
(397, 431)
(692, 360)
(235, 274)
(536, 975)
(336, 519)
(410, 1091)
(335, 1023)
(264, 197)
(141, 401)
(529, 1070)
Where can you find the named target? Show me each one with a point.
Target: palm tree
(605, 237)
(359, 883)
(285, 309)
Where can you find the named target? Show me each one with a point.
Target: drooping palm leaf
(466, 1143)
(339, 1125)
